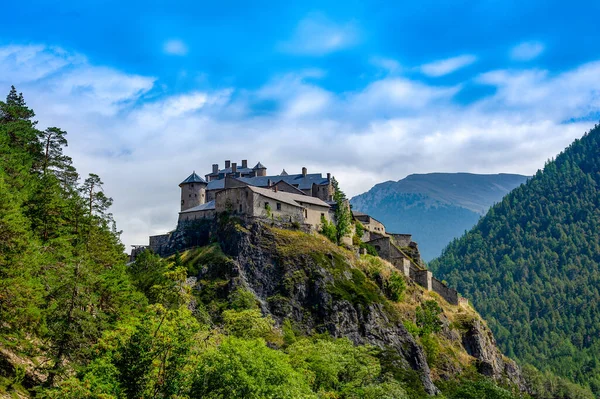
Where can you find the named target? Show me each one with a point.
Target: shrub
(396, 285)
(328, 229)
(428, 317)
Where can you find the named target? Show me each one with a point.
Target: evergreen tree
(343, 216)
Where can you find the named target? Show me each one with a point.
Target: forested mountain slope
(435, 207)
(531, 266)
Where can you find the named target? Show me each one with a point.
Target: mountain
(531, 266)
(245, 309)
(435, 207)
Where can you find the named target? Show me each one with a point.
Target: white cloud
(316, 35)
(143, 146)
(175, 47)
(388, 64)
(448, 65)
(527, 51)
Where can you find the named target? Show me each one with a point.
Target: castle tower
(260, 170)
(193, 191)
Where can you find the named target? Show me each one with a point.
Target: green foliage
(548, 386)
(339, 366)
(247, 324)
(531, 266)
(370, 249)
(342, 213)
(359, 229)
(479, 389)
(242, 299)
(328, 229)
(396, 286)
(147, 358)
(247, 369)
(428, 319)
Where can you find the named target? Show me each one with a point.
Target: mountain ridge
(435, 207)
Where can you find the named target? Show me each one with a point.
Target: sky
(368, 91)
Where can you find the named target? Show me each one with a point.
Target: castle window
(195, 195)
(182, 202)
(240, 208)
(279, 206)
(322, 215)
(266, 205)
(190, 195)
(305, 214)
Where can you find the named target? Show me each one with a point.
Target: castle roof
(283, 173)
(289, 198)
(210, 205)
(259, 166)
(193, 178)
(299, 181)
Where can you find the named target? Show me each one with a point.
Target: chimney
(328, 176)
(215, 168)
(304, 171)
(234, 168)
(244, 163)
(275, 188)
(227, 164)
(268, 182)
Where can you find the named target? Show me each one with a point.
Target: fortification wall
(159, 243)
(449, 294)
(401, 240)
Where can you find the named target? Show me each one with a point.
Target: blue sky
(369, 91)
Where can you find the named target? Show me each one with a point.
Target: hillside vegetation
(435, 207)
(532, 266)
(256, 312)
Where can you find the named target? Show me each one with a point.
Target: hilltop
(435, 207)
(532, 265)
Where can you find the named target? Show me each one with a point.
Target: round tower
(193, 191)
(260, 170)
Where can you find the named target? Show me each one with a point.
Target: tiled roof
(299, 181)
(210, 205)
(193, 178)
(289, 198)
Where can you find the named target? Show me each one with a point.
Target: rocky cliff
(321, 288)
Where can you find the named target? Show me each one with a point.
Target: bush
(396, 285)
(247, 324)
(242, 299)
(328, 229)
(247, 369)
(428, 317)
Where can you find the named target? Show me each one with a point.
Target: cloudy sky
(369, 91)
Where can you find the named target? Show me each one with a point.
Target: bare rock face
(320, 292)
(298, 287)
(480, 343)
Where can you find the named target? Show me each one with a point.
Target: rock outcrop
(311, 283)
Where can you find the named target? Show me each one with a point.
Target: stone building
(303, 198)
(312, 184)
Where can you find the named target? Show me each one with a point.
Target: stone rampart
(449, 294)
(401, 240)
(424, 278)
(160, 243)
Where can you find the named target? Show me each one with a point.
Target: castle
(300, 199)
(249, 192)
